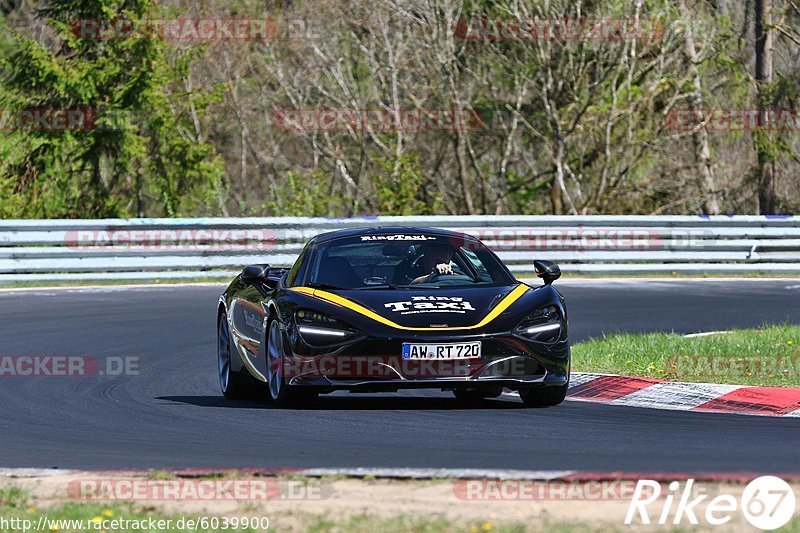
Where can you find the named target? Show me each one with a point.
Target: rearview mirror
(548, 271)
(395, 250)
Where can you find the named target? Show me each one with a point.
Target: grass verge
(765, 356)
(18, 514)
(20, 511)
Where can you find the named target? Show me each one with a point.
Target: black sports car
(388, 308)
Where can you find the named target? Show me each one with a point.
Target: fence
(128, 249)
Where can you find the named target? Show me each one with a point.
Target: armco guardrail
(220, 247)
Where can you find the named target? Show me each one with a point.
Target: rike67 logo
(767, 502)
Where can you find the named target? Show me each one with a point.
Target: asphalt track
(171, 415)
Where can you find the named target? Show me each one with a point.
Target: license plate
(461, 350)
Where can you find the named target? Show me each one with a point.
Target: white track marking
(706, 334)
(575, 379)
(428, 473)
(579, 378)
(33, 472)
(675, 396)
(106, 288)
(671, 396)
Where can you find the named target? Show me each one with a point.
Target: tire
(476, 395)
(234, 385)
(543, 396)
(279, 392)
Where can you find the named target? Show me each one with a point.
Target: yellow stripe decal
(335, 299)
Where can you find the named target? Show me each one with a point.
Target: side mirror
(263, 274)
(547, 270)
(255, 273)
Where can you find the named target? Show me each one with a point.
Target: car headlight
(319, 329)
(304, 316)
(543, 325)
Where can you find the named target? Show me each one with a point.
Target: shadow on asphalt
(352, 402)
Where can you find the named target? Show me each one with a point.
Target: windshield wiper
(315, 285)
(382, 286)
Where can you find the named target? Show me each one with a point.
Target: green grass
(159, 474)
(12, 498)
(408, 523)
(764, 356)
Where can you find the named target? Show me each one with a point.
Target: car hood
(428, 308)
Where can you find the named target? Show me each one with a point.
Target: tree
(139, 148)
(763, 52)
(700, 138)
(560, 121)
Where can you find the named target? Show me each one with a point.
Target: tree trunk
(765, 171)
(702, 150)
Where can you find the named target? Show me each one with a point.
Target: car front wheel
(280, 392)
(543, 396)
(234, 385)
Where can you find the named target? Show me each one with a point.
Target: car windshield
(378, 262)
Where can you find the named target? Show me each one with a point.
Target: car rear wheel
(543, 396)
(234, 385)
(280, 392)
